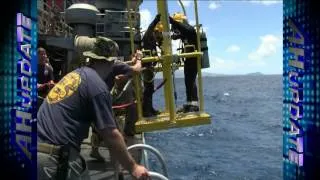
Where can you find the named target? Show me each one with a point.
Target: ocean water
(244, 141)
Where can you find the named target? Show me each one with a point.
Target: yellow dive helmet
(159, 27)
(179, 17)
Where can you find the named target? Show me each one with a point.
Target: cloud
(233, 48)
(228, 66)
(223, 65)
(205, 29)
(145, 18)
(186, 3)
(266, 2)
(192, 22)
(269, 45)
(214, 5)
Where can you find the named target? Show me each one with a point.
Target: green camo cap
(103, 49)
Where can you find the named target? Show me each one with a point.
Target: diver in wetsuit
(150, 41)
(184, 31)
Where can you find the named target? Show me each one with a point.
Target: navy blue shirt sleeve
(122, 68)
(102, 111)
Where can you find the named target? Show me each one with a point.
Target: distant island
(180, 74)
(255, 74)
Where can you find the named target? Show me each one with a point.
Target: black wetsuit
(189, 37)
(149, 42)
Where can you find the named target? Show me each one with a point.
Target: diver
(151, 40)
(184, 31)
(63, 120)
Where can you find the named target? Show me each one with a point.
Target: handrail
(155, 151)
(181, 55)
(150, 59)
(157, 175)
(145, 153)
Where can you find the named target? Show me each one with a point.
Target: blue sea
(244, 140)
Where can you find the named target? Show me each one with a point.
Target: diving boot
(148, 113)
(155, 111)
(189, 107)
(183, 109)
(193, 108)
(147, 108)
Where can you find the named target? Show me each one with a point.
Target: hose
(122, 91)
(183, 9)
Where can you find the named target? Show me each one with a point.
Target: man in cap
(184, 31)
(120, 72)
(64, 118)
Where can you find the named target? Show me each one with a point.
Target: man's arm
(137, 63)
(50, 82)
(106, 127)
(148, 40)
(128, 67)
(115, 142)
(117, 146)
(41, 86)
(151, 27)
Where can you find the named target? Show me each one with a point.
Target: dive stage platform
(162, 121)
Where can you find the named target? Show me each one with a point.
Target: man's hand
(39, 86)
(51, 84)
(136, 61)
(42, 86)
(118, 149)
(136, 56)
(171, 20)
(140, 172)
(139, 55)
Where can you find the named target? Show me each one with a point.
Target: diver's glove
(171, 20)
(157, 18)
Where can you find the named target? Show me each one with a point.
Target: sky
(243, 36)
